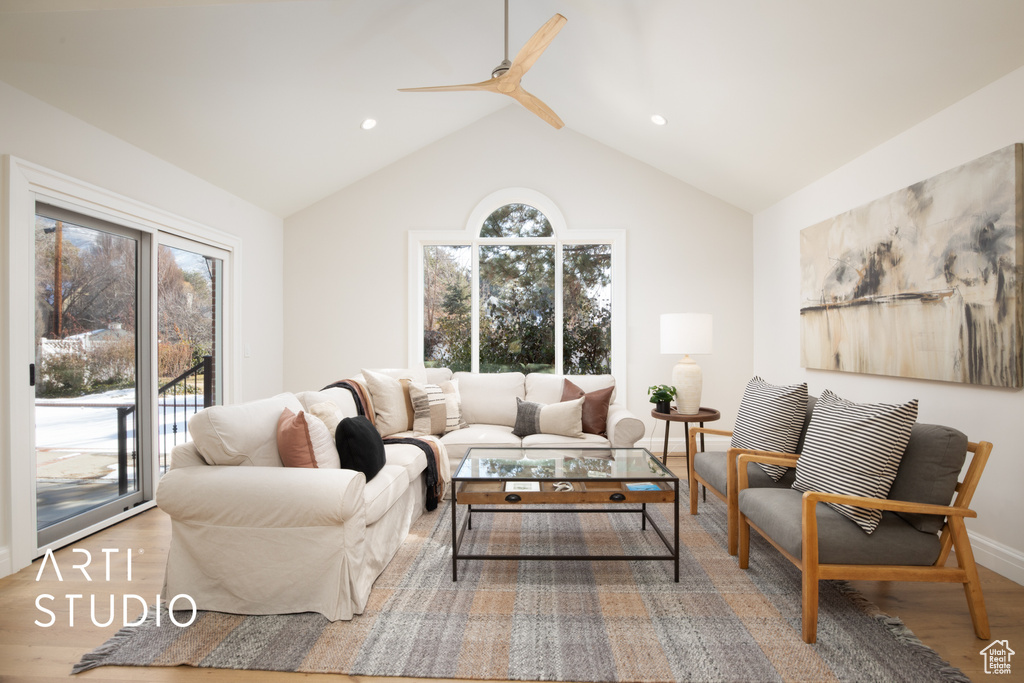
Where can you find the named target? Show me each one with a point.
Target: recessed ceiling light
(658, 120)
(367, 124)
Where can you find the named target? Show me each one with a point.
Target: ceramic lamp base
(688, 381)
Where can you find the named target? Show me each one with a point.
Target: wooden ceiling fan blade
(534, 105)
(487, 85)
(538, 42)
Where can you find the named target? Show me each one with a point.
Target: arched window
(516, 220)
(516, 291)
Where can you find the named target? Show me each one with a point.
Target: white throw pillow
(322, 439)
(415, 374)
(490, 398)
(389, 403)
(328, 413)
(341, 398)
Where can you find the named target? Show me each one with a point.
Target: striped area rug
(561, 621)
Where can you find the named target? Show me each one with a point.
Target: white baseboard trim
(1000, 558)
(678, 446)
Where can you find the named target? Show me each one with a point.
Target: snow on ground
(67, 427)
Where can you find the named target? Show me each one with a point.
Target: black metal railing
(167, 398)
(171, 397)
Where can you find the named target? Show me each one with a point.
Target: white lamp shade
(686, 333)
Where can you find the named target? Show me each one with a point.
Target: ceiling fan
(506, 76)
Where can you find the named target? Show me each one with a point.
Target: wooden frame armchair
(953, 535)
(718, 471)
(729, 496)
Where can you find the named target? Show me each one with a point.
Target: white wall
(346, 286)
(987, 120)
(39, 133)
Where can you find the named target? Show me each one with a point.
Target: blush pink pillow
(293, 442)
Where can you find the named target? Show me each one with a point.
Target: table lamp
(686, 333)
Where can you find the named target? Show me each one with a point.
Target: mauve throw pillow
(360, 446)
(293, 442)
(595, 406)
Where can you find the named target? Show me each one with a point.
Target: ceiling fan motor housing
(501, 69)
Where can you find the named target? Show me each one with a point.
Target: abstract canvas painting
(925, 282)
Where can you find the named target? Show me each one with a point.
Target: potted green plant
(661, 395)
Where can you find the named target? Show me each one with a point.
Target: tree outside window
(517, 315)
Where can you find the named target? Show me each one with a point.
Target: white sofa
(249, 536)
(489, 408)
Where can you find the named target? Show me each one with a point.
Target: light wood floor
(936, 613)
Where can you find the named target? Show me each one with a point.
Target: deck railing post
(122, 449)
(207, 381)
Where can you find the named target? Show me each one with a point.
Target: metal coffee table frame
(513, 501)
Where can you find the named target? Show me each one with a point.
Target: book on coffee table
(522, 486)
(643, 486)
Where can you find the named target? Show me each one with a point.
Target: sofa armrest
(186, 455)
(261, 497)
(624, 428)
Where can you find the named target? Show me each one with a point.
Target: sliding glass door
(190, 336)
(93, 392)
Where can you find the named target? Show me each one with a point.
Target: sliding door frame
(204, 248)
(24, 184)
(144, 393)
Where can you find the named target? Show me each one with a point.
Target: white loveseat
(249, 536)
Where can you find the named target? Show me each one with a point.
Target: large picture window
(514, 292)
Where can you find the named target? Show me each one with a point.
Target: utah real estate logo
(997, 657)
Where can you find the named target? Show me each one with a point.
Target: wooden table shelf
(494, 493)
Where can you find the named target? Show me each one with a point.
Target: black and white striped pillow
(770, 419)
(854, 449)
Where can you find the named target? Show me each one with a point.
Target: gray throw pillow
(929, 471)
(563, 419)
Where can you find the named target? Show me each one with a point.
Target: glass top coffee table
(495, 480)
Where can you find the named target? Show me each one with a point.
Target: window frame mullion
(474, 302)
(559, 309)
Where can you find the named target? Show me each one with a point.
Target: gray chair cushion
(840, 541)
(711, 467)
(929, 471)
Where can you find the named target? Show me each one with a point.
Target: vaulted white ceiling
(264, 99)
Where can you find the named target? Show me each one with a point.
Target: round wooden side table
(701, 416)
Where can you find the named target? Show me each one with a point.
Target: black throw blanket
(431, 501)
